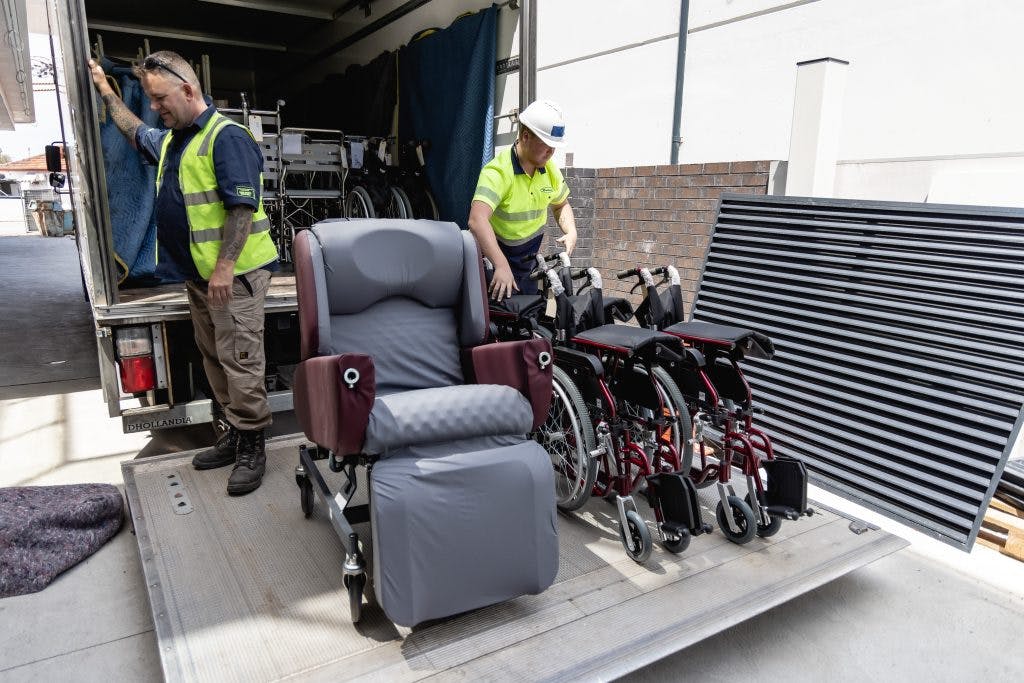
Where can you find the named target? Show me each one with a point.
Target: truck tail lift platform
(223, 572)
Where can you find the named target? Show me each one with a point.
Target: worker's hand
(568, 241)
(218, 290)
(99, 78)
(503, 284)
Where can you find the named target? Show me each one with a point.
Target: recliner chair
(395, 376)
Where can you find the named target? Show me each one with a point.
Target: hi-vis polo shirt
(237, 163)
(520, 203)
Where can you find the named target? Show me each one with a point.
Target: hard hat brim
(555, 143)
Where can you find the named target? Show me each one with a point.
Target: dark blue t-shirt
(237, 163)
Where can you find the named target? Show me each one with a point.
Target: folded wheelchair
(620, 395)
(395, 380)
(721, 401)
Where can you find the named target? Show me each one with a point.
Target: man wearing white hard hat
(510, 204)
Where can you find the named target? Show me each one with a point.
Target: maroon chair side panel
(305, 291)
(332, 409)
(516, 364)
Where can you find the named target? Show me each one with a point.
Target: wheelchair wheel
(355, 584)
(431, 206)
(358, 203)
(404, 198)
(679, 545)
(395, 206)
(765, 530)
(682, 433)
(306, 496)
(639, 534)
(568, 437)
(742, 515)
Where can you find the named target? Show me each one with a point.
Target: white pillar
(817, 120)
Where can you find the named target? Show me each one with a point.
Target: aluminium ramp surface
(247, 589)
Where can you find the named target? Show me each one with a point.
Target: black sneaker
(220, 455)
(250, 463)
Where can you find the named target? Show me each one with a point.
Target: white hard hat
(545, 119)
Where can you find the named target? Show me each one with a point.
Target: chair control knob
(350, 377)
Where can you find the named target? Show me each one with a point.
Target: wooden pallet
(1003, 529)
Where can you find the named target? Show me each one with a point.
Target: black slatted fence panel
(899, 331)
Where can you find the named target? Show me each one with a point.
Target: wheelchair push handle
(631, 272)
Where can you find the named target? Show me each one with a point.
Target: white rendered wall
(927, 78)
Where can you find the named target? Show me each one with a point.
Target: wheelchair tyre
(354, 584)
(640, 535)
(679, 545)
(568, 436)
(742, 515)
(395, 206)
(306, 496)
(766, 530)
(682, 435)
(404, 197)
(358, 203)
(431, 206)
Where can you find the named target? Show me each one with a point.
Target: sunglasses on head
(152, 63)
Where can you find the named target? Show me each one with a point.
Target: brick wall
(652, 215)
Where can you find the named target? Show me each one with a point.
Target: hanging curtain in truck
(446, 98)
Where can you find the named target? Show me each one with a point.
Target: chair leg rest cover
(454, 531)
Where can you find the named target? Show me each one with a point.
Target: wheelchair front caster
(306, 497)
(305, 485)
(355, 583)
(765, 530)
(742, 516)
(638, 545)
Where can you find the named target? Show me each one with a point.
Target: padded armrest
(332, 409)
(517, 364)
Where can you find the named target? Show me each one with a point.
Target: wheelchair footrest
(677, 497)
(786, 485)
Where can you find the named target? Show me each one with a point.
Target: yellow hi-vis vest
(205, 210)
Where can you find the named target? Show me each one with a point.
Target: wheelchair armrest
(333, 397)
(523, 365)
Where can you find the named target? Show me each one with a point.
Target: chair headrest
(366, 261)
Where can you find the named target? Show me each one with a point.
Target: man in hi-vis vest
(211, 223)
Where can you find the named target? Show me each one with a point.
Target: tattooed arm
(237, 227)
(123, 118)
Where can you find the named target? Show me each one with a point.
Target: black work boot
(250, 463)
(221, 454)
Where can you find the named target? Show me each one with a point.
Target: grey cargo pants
(231, 342)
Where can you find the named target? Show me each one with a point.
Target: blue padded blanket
(446, 96)
(131, 189)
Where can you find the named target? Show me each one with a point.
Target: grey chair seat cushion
(460, 526)
(445, 414)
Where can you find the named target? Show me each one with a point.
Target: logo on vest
(245, 191)
(547, 189)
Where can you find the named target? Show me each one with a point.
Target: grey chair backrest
(408, 293)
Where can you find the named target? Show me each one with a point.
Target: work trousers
(230, 339)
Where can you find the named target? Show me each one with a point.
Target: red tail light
(137, 374)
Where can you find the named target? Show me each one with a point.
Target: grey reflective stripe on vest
(199, 198)
(489, 193)
(524, 240)
(216, 234)
(204, 147)
(520, 215)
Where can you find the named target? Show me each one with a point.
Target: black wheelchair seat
(746, 341)
(624, 338)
